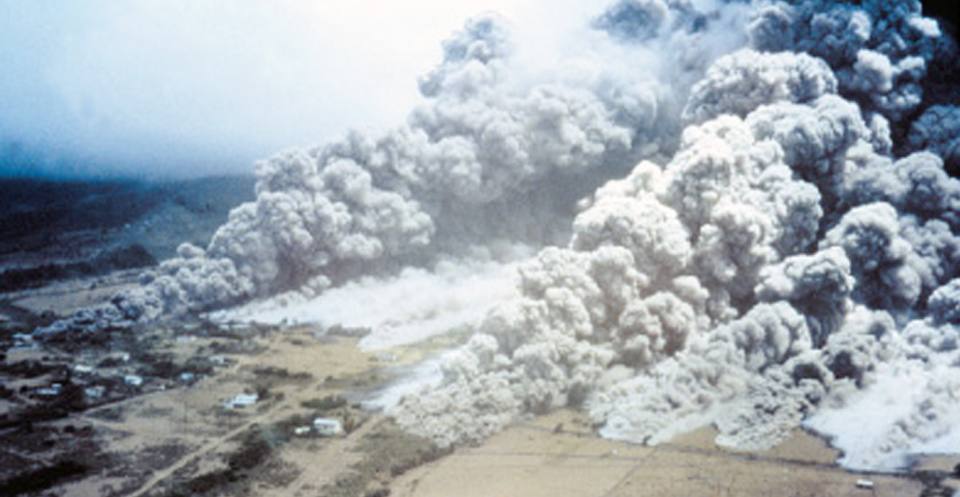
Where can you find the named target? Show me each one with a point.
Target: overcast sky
(188, 87)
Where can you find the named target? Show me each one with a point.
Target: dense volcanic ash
(767, 236)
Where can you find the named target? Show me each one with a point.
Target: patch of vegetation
(388, 452)
(237, 344)
(35, 457)
(199, 365)
(70, 399)
(28, 368)
(326, 403)
(38, 480)
(159, 366)
(254, 452)
(20, 320)
(933, 485)
(281, 374)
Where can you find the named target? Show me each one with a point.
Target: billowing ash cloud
(490, 156)
(768, 258)
(880, 50)
(938, 130)
(782, 261)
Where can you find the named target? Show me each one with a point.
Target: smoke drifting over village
(676, 213)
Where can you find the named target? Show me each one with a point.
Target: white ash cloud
(773, 266)
(411, 306)
(743, 81)
(910, 409)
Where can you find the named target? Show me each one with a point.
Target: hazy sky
(188, 87)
